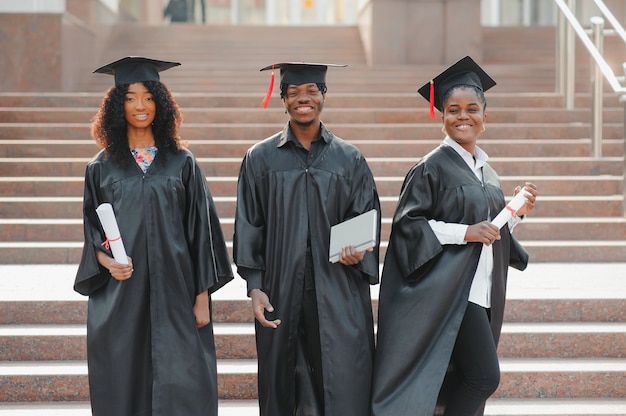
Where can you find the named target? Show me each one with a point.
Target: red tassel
(268, 96)
(432, 99)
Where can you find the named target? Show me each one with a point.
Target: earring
(484, 128)
(285, 111)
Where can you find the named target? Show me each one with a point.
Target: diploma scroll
(113, 237)
(511, 209)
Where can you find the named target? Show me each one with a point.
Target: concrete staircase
(563, 342)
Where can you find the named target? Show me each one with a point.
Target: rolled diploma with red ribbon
(113, 237)
(511, 209)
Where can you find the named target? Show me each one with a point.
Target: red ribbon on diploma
(107, 241)
(513, 212)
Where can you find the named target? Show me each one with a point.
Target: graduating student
(150, 339)
(443, 283)
(314, 324)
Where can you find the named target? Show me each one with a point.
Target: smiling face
(464, 117)
(304, 104)
(139, 106)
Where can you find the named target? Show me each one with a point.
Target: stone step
(576, 251)
(536, 44)
(331, 115)
(61, 252)
(519, 311)
(83, 408)
(32, 186)
(380, 166)
(554, 407)
(494, 407)
(26, 148)
(74, 185)
(562, 340)
(68, 342)
(551, 206)
(544, 292)
(348, 131)
(245, 49)
(355, 78)
(237, 341)
(538, 229)
(67, 380)
(562, 378)
(547, 100)
(520, 378)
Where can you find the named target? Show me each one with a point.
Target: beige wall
(31, 56)
(45, 51)
(420, 31)
(80, 49)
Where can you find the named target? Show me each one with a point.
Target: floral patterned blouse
(144, 156)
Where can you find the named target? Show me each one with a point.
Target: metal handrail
(612, 20)
(597, 97)
(596, 55)
(600, 66)
(622, 33)
(566, 51)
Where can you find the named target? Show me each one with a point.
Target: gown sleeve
(207, 246)
(91, 275)
(365, 198)
(518, 255)
(410, 228)
(249, 227)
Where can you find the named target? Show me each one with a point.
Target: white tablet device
(359, 232)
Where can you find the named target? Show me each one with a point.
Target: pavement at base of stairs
(495, 407)
(226, 408)
(538, 281)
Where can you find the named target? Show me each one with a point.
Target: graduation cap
(132, 69)
(464, 72)
(297, 73)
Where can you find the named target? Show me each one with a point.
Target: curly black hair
(109, 124)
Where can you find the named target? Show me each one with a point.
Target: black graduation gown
(279, 200)
(425, 286)
(145, 354)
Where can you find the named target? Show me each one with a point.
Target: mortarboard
(132, 69)
(464, 72)
(297, 73)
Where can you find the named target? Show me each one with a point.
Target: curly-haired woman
(150, 339)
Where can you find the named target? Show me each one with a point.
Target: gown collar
(287, 135)
(479, 155)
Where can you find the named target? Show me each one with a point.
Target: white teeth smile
(304, 109)
(141, 116)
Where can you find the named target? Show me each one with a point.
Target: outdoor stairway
(562, 347)
(559, 355)
(579, 218)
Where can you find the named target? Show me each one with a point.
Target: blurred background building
(46, 43)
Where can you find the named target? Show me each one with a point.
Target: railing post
(270, 12)
(623, 101)
(570, 57)
(597, 28)
(560, 55)
(234, 12)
